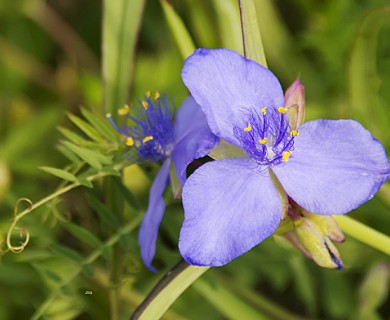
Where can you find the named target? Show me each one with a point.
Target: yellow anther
(263, 141)
(282, 110)
(286, 155)
(147, 138)
(147, 94)
(156, 95)
(129, 142)
(144, 104)
(124, 110)
(264, 110)
(248, 128)
(294, 133)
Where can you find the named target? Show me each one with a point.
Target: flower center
(152, 131)
(267, 138)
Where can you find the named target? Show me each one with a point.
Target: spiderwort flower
(157, 138)
(230, 205)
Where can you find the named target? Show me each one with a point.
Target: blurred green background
(51, 66)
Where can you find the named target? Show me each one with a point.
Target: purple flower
(230, 205)
(158, 139)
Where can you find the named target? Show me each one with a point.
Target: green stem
(167, 290)
(115, 283)
(364, 234)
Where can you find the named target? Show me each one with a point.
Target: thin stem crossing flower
(158, 138)
(327, 167)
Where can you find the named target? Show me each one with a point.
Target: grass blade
(121, 22)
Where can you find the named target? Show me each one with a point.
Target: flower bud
(294, 101)
(315, 241)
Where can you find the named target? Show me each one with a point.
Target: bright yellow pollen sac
(144, 104)
(248, 128)
(129, 142)
(156, 95)
(147, 138)
(264, 110)
(286, 155)
(282, 110)
(263, 141)
(147, 94)
(124, 110)
(294, 133)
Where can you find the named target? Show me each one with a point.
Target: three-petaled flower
(327, 167)
(157, 138)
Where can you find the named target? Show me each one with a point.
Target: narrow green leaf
(167, 290)
(93, 158)
(60, 173)
(178, 29)
(101, 124)
(83, 235)
(121, 22)
(86, 128)
(72, 136)
(253, 45)
(68, 154)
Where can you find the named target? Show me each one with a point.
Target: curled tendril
(23, 232)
